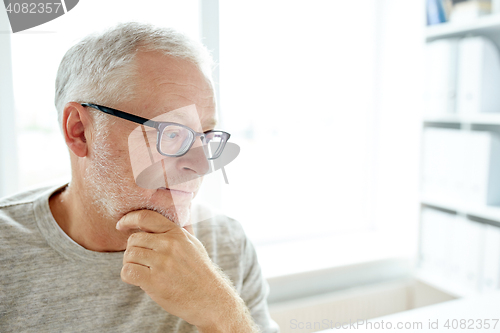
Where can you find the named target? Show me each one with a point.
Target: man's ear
(76, 123)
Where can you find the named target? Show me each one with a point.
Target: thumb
(189, 229)
(145, 220)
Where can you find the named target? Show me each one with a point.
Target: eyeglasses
(173, 140)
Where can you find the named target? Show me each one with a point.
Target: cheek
(161, 173)
(168, 170)
(123, 155)
(143, 159)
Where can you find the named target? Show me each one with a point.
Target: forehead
(164, 84)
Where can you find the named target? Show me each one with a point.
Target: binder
(462, 167)
(471, 10)
(478, 80)
(491, 259)
(443, 164)
(441, 61)
(482, 168)
(467, 250)
(435, 12)
(437, 230)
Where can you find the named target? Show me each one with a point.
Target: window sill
(314, 266)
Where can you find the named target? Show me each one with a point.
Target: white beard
(114, 194)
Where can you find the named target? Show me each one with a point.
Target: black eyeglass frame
(160, 126)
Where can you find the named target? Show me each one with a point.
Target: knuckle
(129, 252)
(136, 236)
(134, 253)
(130, 240)
(134, 274)
(174, 245)
(127, 274)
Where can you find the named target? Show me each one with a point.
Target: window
(297, 90)
(316, 96)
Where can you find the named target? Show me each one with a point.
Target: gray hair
(99, 68)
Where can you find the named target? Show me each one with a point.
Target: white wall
(8, 158)
(396, 144)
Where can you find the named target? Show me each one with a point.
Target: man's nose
(196, 159)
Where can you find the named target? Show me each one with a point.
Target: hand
(173, 268)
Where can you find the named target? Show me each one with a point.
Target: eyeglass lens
(176, 140)
(214, 141)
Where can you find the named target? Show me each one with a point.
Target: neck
(77, 215)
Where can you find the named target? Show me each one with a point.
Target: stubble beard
(113, 194)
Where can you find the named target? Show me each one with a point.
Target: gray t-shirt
(49, 283)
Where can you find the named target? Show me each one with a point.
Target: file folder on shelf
(478, 80)
(440, 77)
(461, 166)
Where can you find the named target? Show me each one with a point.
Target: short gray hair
(95, 69)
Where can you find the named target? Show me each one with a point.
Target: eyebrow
(211, 123)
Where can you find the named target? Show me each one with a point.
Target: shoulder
(223, 237)
(22, 198)
(17, 211)
(209, 222)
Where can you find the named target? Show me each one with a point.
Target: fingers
(135, 274)
(142, 239)
(145, 220)
(138, 256)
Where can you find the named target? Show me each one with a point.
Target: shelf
(485, 25)
(491, 213)
(435, 244)
(480, 119)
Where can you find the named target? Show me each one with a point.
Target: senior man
(103, 254)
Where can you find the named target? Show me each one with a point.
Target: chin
(177, 211)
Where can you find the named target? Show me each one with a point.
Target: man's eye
(171, 135)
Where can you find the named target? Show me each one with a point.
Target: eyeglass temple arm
(124, 115)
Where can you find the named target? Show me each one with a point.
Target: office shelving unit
(487, 26)
(464, 121)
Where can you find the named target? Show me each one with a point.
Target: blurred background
(369, 134)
